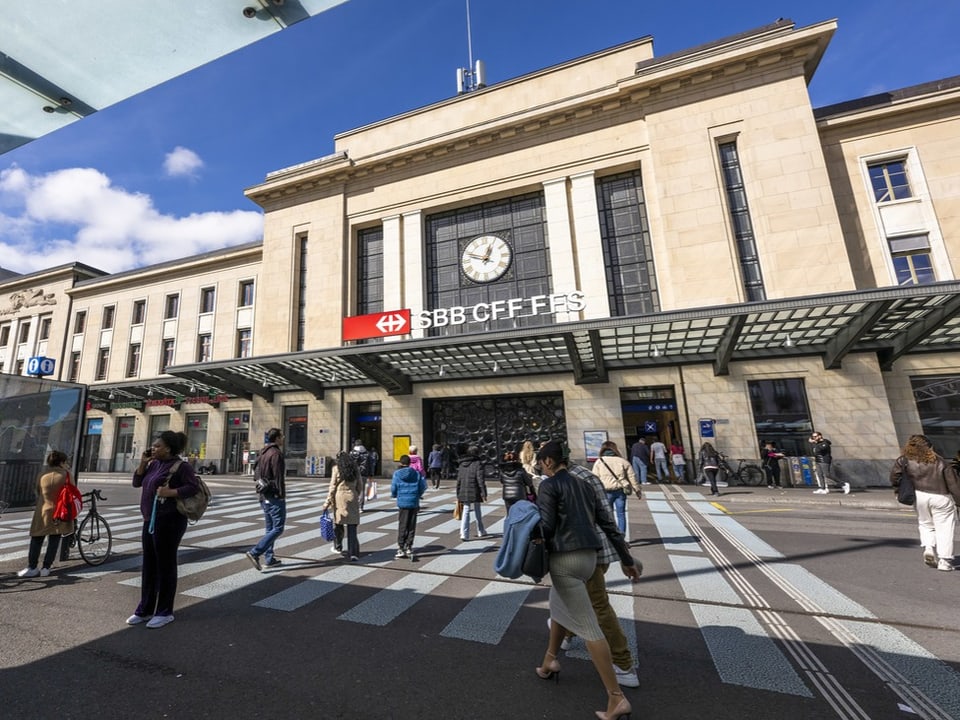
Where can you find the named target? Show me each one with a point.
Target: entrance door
(651, 413)
(365, 423)
(90, 453)
(238, 434)
(123, 460)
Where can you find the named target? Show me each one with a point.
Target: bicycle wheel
(94, 539)
(751, 475)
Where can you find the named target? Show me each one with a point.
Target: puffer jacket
(516, 483)
(569, 509)
(937, 478)
(471, 485)
(407, 486)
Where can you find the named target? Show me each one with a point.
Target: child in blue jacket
(407, 487)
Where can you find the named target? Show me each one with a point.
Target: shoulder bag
(195, 506)
(906, 494)
(622, 481)
(536, 559)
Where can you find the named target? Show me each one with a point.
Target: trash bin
(801, 471)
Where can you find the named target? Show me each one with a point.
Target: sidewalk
(874, 498)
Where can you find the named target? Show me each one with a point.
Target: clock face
(486, 258)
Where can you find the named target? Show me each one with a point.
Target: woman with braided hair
(346, 489)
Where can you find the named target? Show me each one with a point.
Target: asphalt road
(766, 604)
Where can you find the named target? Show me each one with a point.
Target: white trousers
(937, 517)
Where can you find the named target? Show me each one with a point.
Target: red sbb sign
(363, 327)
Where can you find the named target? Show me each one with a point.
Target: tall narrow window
(108, 314)
(24, 333)
(139, 312)
(204, 347)
(133, 360)
(370, 271)
(5, 335)
(79, 322)
(171, 307)
(889, 180)
(166, 355)
(243, 343)
(302, 295)
(911, 259)
(44, 329)
(207, 297)
(742, 225)
(73, 374)
(245, 298)
(627, 251)
(103, 363)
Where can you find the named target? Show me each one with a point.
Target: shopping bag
(370, 493)
(458, 510)
(326, 526)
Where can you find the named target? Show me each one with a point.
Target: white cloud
(182, 162)
(78, 215)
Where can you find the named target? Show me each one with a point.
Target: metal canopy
(889, 321)
(61, 60)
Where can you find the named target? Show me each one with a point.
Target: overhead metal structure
(889, 322)
(62, 60)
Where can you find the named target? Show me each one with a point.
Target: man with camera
(824, 459)
(269, 478)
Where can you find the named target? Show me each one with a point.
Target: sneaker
(28, 572)
(846, 488)
(463, 539)
(137, 619)
(354, 558)
(770, 486)
(820, 491)
(274, 562)
(945, 565)
(401, 553)
(412, 555)
(158, 621)
(567, 642)
(929, 558)
(254, 559)
(44, 572)
(336, 550)
(627, 678)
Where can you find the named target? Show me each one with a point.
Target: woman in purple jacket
(163, 476)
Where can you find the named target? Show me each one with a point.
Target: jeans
(640, 469)
(618, 501)
(33, 555)
(937, 517)
(274, 515)
(711, 475)
(353, 544)
(680, 469)
(158, 575)
(465, 520)
(660, 464)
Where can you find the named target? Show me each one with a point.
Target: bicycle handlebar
(94, 493)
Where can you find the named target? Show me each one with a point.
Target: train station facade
(621, 245)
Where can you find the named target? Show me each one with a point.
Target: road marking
(316, 587)
(489, 614)
(391, 602)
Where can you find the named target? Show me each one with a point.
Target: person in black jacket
(823, 454)
(271, 471)
(517, 484)
(569, 512)
(471, 491)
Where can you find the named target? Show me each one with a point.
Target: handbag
(623, 482)
(458, 510)
(536, 559)
(326, 526)
(370, 493)
(906, 493)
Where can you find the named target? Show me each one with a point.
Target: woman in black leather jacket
(517, 484)
(569, 510)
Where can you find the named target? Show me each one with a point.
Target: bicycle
(746, 472)
(94, 539)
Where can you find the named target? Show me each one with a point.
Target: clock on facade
(486, 258)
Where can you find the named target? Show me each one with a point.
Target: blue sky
(162, 175)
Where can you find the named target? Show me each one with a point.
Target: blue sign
(650, 426)
(40, 366)
(706, 427)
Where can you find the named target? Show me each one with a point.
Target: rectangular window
(79, 322)
(133, 360)
(73, 375)
(24, 333)
(302, 295)
(107, 322)
(18, 367)
(103, 363)
(204, 348)
(627, 251)
(139, 312)
(742, 224)
(369, 271)
(911, 259)
(889, 180)
(166, 356)
(207, 297)
(171, 307)
(295, 430)
(243, 343)
(245, 298)
(938, 404)
(781, 414)
(5, 335)
(44, 328)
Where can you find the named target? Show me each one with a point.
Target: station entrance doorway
(651, 413)
(365, 422)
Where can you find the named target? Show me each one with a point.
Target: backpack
(69, 503)
(195, 506)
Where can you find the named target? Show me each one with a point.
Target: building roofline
(886, 99)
